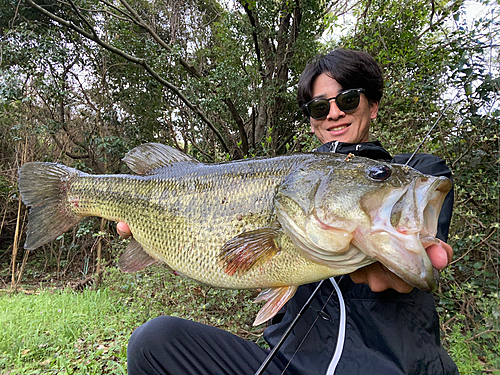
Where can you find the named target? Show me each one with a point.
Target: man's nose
(335, 112)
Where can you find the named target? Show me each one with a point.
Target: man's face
(348, 127)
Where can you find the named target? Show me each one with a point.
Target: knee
(151, 341)
(156, 331)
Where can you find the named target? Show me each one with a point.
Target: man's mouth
(338, 128)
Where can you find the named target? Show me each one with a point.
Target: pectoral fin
(134, 258)
(247, 250)
(276, 299)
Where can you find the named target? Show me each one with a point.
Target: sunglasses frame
(305, 107)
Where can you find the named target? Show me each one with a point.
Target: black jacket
(359, 331)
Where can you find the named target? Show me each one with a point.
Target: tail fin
(44, 186)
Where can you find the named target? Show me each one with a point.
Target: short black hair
(351, 69)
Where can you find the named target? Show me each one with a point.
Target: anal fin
(276, 299)
(134, 258)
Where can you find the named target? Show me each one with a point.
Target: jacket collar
(372, 150)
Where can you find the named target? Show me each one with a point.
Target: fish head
(403, 222)
(350, 212)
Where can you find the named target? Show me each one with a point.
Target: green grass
(68, 332)
(61, 331)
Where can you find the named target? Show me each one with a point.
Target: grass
(62, 331)
(69, 332)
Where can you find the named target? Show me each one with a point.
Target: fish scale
(187, 231)
(257, 223)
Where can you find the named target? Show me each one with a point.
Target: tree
(82, 83)
(218, 72)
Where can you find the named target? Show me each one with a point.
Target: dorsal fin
(146, 158)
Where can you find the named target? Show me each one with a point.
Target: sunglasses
(347, 101)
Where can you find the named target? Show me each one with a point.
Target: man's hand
(123, 230)
(380, 278)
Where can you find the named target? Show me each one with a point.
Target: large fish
(257, 223)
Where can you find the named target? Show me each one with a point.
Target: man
(370, 322)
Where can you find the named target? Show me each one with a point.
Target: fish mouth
(391, 223)
(403, 226)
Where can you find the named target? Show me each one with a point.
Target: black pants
(168, 345)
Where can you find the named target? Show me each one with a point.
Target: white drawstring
(342, 328)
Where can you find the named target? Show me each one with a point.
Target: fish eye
(379, 172)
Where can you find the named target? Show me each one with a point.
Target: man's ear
(373, 110)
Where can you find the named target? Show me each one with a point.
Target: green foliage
(464, 349)
(195, 68)
(158, 291)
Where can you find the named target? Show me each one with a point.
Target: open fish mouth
(403, 226)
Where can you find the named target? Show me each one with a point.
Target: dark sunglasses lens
(319, 108)
(348, 101)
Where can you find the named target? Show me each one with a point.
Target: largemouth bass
(258, 223)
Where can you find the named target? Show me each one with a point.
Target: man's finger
(123, 230)
(440, 254)
(379, 279)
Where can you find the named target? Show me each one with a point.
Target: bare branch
(67, 153)
(189, 67)
(16, 14)
(193, 143)
(296, 20)
(240, 124)
(433, 5)
(282, 41)
(253, 22)
(261, 42)
(77, 11)
(445, 13)
(127, 16)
